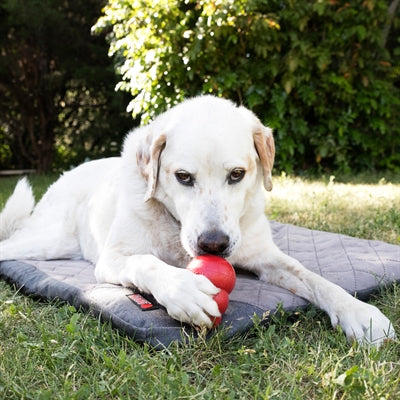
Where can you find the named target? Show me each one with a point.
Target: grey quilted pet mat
(359, 266)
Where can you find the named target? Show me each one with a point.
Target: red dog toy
(220, 273)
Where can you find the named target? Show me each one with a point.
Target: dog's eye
(184, 177)
(236, 175)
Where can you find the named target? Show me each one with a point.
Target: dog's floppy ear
(265, 147)
(148, 160)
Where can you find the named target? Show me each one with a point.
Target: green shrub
(322, 73)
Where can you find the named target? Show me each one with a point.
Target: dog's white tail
(17, 209)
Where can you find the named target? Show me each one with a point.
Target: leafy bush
(324, 74)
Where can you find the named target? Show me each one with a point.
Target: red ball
(216, 269)
(216, 321)
(222, 299)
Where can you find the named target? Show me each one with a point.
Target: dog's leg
(186, 296)
(359, 320)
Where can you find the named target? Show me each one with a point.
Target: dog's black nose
(213, 242)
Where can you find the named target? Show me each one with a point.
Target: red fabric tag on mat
(143, 303)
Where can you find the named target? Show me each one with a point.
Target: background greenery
(57, 99)
(323, 73)
(49, 350)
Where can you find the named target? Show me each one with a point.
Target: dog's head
(204, 161)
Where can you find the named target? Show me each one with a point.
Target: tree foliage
(57, 99)
(323, 73)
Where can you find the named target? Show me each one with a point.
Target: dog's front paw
(188, 298)
(366, 324)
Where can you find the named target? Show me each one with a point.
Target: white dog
(189, 183)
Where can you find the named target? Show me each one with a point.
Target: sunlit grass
(370, 211)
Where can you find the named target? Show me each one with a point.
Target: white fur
(132, 217)
(17, 209)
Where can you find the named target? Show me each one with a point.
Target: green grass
(51, 351)
(369, 209)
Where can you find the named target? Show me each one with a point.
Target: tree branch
(391, 12)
